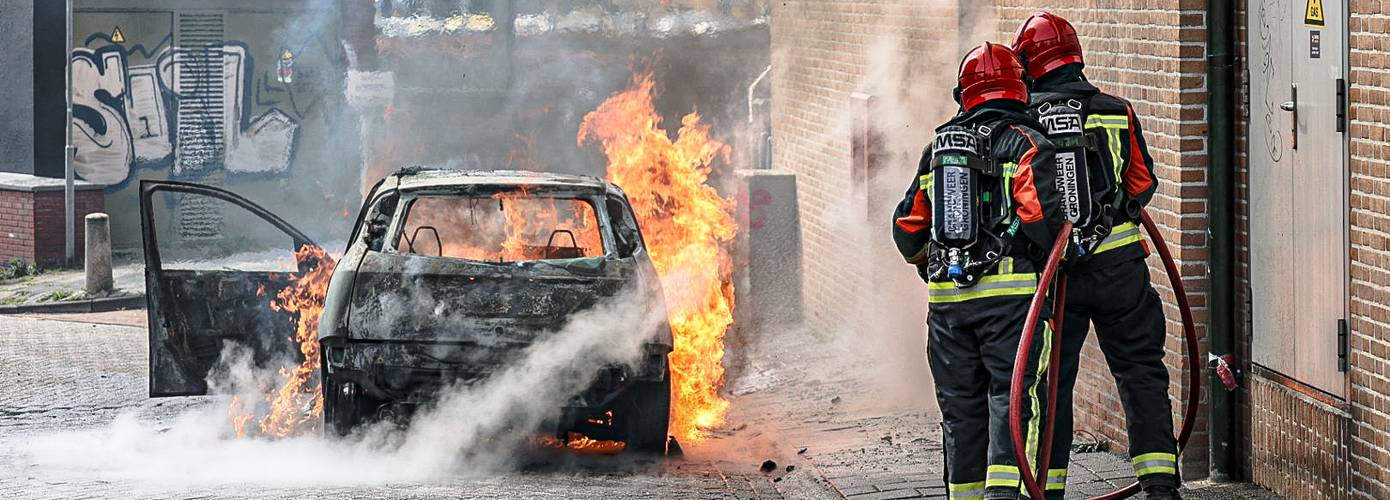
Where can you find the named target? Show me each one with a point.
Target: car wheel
(342, 413)
(645, 415)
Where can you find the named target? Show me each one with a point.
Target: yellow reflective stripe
(926, 182)
(1108, 121)
(1155, 463)
(1035, 395)
(1116, 157)
(1006, 265)
(1056, 479)
(997, 285)
(1121, 235)
(1002, 476)
(967, 491)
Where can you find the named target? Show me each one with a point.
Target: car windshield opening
(504, 227)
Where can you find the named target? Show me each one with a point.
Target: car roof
(413, 178)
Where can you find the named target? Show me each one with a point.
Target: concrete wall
(244, 95)
(17, 98)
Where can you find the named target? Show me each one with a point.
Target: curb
(79, 306)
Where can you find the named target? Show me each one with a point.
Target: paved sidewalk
(66, 285)
(820, 401)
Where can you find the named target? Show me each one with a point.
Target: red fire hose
(1036, 488)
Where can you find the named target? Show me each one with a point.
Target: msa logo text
(1062, 123)
(955, 140)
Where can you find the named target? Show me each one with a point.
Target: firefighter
(1106, 174)
(977, 221)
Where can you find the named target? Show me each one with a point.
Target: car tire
(646, 415)
(342, 414)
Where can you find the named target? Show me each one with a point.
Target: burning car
(447, 277)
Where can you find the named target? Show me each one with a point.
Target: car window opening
(504, 227)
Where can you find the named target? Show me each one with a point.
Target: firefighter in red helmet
(977, 221)
(1106, 173)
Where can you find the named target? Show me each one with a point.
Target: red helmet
(990, 71)
(1047, 42)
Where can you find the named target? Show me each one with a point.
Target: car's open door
(214, 262)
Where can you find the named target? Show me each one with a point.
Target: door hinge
(1342, 105)
(1343, 346)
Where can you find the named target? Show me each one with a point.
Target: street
(75, 422)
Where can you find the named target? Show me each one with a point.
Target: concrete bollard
(98, 255)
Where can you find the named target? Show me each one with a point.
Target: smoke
(909, 64)
(470, 431)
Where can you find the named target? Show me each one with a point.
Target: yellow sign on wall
(1313, 16)
(117, 36)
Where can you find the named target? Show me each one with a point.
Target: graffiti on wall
(191, 110)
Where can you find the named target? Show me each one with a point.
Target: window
(506, 227)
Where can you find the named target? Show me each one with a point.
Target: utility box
(767, 258)
(31, 217)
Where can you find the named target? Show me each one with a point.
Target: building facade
(1308, 301)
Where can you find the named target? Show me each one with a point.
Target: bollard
(98, 255)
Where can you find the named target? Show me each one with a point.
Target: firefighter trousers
(971, 347)
(1128, 318)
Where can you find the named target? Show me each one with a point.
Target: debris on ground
(768, 466)
(835, 400)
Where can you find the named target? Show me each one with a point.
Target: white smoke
(472, 430)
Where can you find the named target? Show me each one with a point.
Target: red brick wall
(1153, 54)
(16, 226)
(1370, 248)
(32, 229)
(822, 52)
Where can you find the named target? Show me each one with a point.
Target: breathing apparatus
(1087, 199)
(967, 206)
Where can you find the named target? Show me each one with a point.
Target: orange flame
(296, 406)
(687, 226)
(582, 444)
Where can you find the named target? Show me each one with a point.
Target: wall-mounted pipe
(1221, 331)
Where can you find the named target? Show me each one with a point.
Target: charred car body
(448, 277)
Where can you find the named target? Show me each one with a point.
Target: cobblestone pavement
(73, 398)
(868, 443)
(72, 394)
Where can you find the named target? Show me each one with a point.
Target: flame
(687, 226)
(528, 228)
(296, 405)
(582, 444)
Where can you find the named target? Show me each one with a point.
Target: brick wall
(823, 52)
(32, 227)
(1153, 54)
(1370, 257)
(16, 226)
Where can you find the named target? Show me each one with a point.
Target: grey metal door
(1299, 188)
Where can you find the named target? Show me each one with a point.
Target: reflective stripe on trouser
(1003, 283)
(1155, 463)
(971, 347)
(966, 491)
(1131, 331)
(1123, 234)
(1056, 480)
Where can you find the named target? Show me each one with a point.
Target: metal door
(1299, 188)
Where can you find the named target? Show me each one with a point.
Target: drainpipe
(1221, 332)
